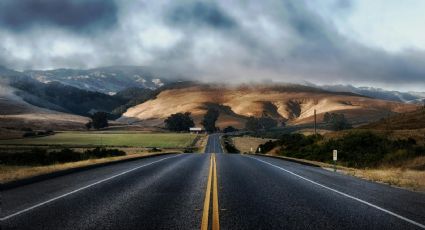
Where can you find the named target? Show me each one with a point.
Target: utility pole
(315, 123)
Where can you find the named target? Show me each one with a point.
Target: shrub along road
(244, 192)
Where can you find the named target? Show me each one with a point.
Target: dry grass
(280, 102)
(12, 173)
(245, 143)
(409, 120)
(405, 176)
(202, 143)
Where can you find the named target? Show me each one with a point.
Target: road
(195, 191)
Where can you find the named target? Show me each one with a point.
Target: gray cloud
(76, 15)
(207, 14)
(209, 40)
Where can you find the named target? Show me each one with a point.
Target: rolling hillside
(404, 121)
(16, 114)
(294, 104)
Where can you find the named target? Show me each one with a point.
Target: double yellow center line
(212, 179)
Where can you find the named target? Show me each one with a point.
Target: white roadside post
(335, 157)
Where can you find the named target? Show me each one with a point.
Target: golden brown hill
(403, 121)
(292, 103)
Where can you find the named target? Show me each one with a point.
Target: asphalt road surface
(212, 190)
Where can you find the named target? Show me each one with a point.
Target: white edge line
(346, 195)
(80, 189)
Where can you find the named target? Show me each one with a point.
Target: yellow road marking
(212, 179)
(204, 224)
(216, 220)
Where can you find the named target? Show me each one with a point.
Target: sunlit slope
(291, 103)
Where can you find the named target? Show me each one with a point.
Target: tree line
(183, 121)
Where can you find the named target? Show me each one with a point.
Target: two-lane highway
(165, 192)
(214, 144)
(227, 191)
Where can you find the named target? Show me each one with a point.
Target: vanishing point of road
(210, 191)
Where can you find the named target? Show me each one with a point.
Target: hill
(390, 95)
(108, 80)
(17, 114)
(404, 121)
(293, 104)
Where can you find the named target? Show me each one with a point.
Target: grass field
(86, 139)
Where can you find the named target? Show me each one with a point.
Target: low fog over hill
(139, 96)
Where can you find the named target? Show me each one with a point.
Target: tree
(267, 123)
(262, 123)
(179, 122)
(89, 125)
(99, 120)
(326, 117)
(209, 120)
(336, 121)
(230, 129)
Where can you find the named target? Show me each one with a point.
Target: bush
(267, 147)
(229, 146)
(361, 149)
(154, 150)
(102, 152)
(29, 134)
(189, 150)
(39, 156)
(230, 129)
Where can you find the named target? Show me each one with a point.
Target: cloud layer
(238, 41)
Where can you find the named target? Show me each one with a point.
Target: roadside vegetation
(376, 156)
(229, 146)
(355, 149)
(38, 156)
(10, 173)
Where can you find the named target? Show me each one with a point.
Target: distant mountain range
(406, 97)
(139, 94)
(108, 80)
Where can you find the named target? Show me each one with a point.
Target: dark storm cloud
(76, 15)
(283, 40)
(207, 14)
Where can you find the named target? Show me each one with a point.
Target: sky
(378, 43)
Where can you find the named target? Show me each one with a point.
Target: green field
(132, 139)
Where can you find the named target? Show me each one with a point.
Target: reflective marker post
(335, 157)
